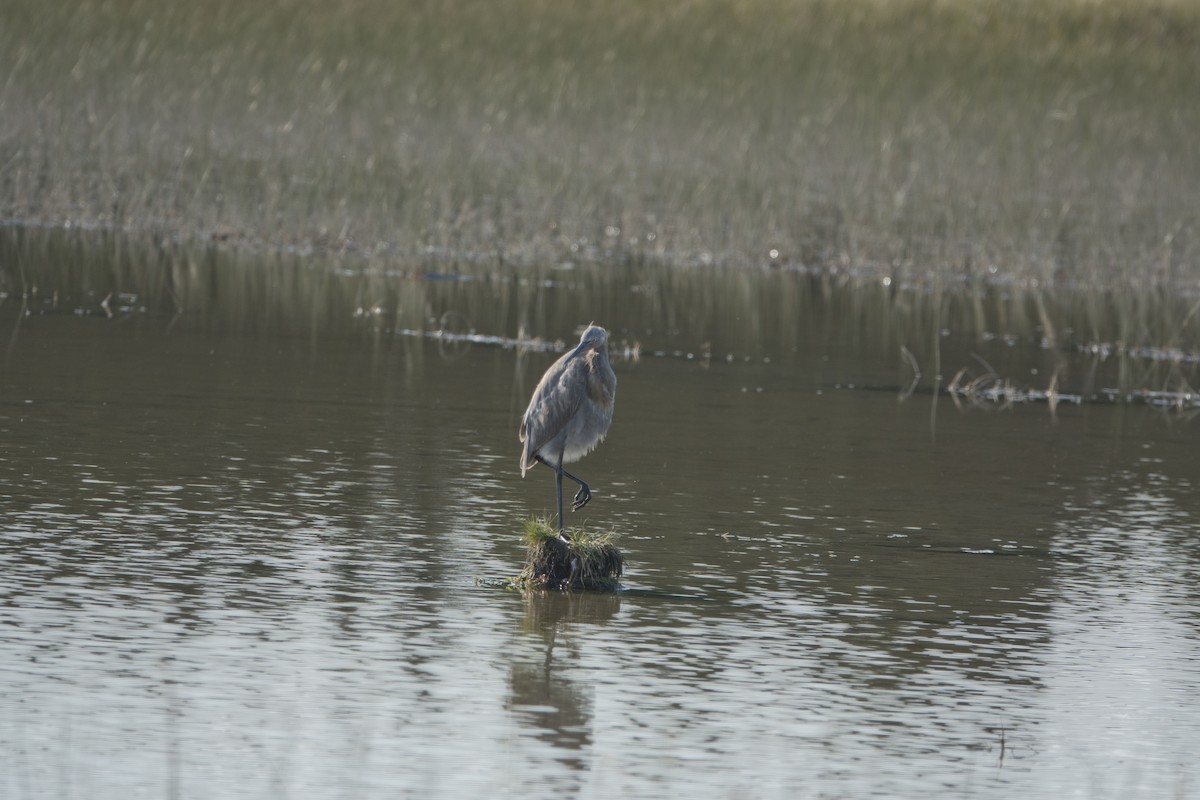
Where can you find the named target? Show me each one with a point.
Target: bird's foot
(581, 498)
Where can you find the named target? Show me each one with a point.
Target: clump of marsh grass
(587, 561)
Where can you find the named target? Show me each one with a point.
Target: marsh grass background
(1045, 143)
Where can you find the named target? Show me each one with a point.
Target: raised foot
(581, 497)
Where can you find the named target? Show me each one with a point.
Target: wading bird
(570, 412)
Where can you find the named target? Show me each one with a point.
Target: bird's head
(593, 337)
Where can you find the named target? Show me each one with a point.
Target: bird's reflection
(558, 711)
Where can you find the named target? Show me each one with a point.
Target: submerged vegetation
(1048, 143)
(586, 561)
(981, 342)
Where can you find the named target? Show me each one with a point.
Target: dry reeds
(1047, 141)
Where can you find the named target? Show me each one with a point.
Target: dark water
(240, 544)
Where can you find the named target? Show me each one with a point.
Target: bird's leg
(558, 473)
(582, 496)
(578, 504)
(558, 486)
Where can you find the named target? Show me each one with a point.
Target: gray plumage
(570, 412)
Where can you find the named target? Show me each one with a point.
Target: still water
(241, 551)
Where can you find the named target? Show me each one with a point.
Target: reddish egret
(570, 412)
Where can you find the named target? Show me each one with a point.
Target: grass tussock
(588, 561)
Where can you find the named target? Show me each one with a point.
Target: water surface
(242, 531)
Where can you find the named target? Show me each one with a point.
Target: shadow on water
(558, 710)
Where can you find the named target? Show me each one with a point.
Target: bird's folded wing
(553, 405)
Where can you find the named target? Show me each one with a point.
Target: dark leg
(558, 473)
(581, 497)
(558, 476)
